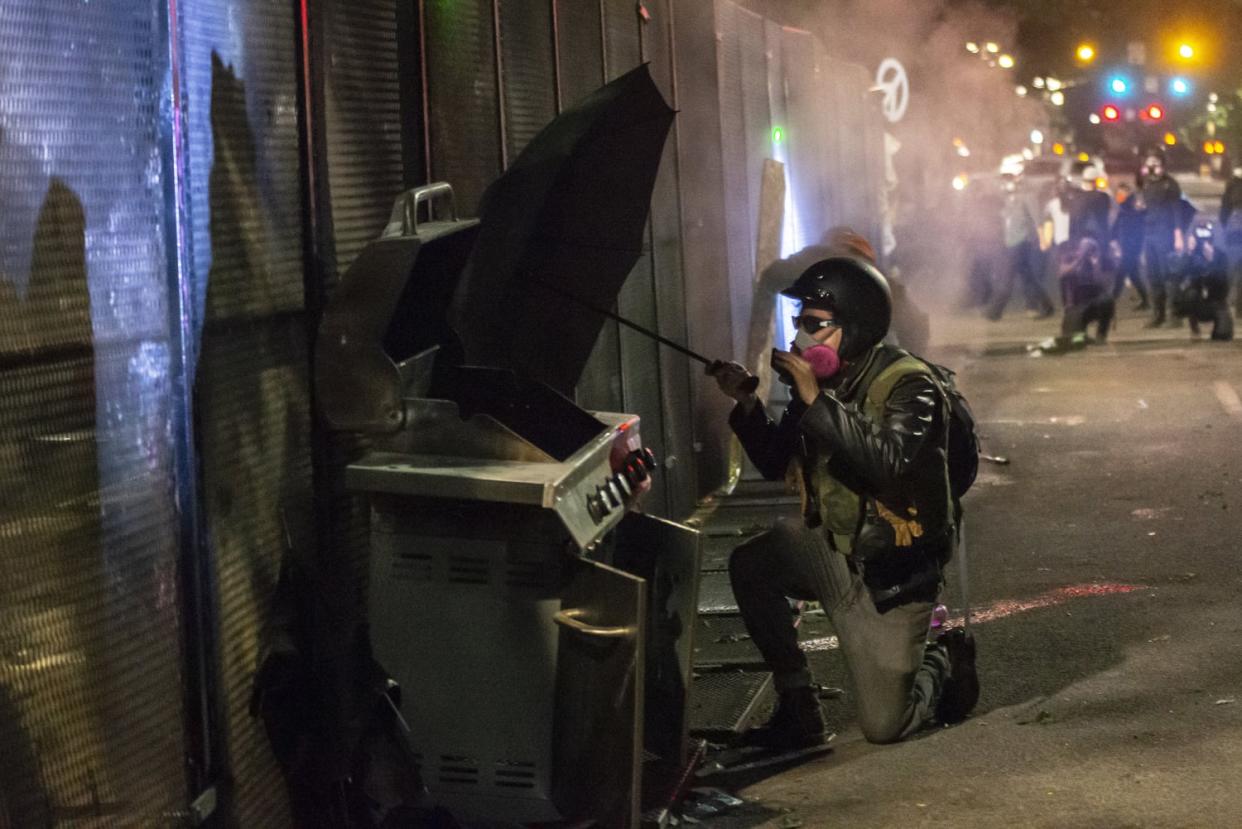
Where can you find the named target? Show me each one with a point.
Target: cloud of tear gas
(964, 116)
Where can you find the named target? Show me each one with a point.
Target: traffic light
(1179, 87)
(1110, 113)
(1152, 112)
(1119, 85)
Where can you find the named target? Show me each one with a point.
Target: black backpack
(963, 436)
(963, 448)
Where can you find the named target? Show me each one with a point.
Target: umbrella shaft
(633, 325)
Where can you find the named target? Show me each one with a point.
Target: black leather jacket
(899, 461)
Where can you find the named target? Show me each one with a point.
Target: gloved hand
(733, 379)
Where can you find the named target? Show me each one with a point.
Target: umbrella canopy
(566, 220)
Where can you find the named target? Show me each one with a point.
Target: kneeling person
(866, 432)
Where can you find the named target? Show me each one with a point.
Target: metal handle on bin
(569, 619)
(427, 193)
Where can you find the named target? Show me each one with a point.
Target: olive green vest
(840, 508)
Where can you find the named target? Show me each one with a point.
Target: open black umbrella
(560, 230)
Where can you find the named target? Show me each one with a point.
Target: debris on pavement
(1226, 701)
(708, 802)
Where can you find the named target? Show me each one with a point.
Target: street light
(1086, 53)
(1093, 118)
(1037, 137)
(1186, 51)
(1053, 84)
(1058, 99)
(972, 47)
(992, 47)
(1005, 61)
(1021, 91)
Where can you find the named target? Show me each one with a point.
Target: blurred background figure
(1089, 209)
(1127, 240)
(1203, 290)
(1162, 232)
(1021, 260)
(1231, 232)
(1086, 290)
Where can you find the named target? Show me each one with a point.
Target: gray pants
(896, 676)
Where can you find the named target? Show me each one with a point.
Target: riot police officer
(1162, 233)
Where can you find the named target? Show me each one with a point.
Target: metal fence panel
(91, 689)
(251, 398)
(670, 290)
(580, 30)
(461, 87)
(527, 61)
(740, 237)
(362, 97)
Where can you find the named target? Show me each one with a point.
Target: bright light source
(1211, 107)
(1093, 118)
(1021, 90)
(1038, 83)
(1058, 99)
(1084, 157)
(960, 181)
(1155, 112)
(778, 135)
(1209, 147)
(1179, 87)
(1119, 86)
(1037, 137)
(1186, 51)
(992, 47)
(1086, 53)
(972, 47)
(1111, 113)
(1053, 84)
(964, 152)
(1219, 147)
(1058, 148)
(1028, 153)
(1005, 61)
(1101, 183)
(1170, 140)
(1213, 97)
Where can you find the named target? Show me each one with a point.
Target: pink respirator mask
(824, 359)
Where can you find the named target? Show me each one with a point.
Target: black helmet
(856, 292)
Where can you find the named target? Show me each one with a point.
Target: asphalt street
(1104, 583)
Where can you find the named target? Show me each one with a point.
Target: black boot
(797, 723)
(961, 687)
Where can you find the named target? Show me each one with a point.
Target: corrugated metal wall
(91, 684)
(156, 302)
(252, 415)
(782, 97)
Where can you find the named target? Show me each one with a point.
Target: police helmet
(857, 294)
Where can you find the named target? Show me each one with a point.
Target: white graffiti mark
(891, 79)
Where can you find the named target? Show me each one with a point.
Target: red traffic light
(1154, 112)
(1110, 113)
